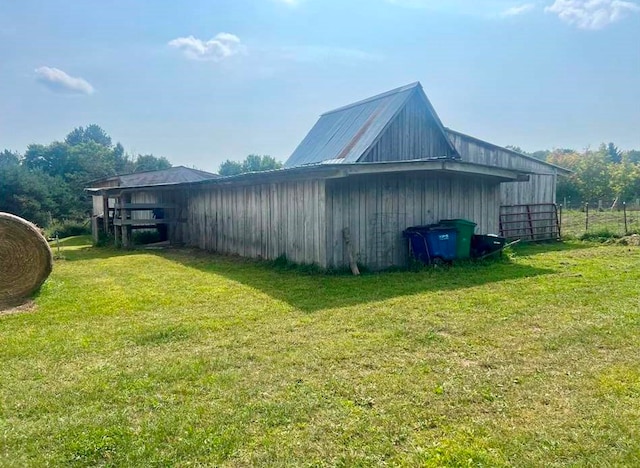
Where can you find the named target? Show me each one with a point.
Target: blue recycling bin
(432, 243)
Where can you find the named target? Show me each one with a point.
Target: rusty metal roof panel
(344, 134)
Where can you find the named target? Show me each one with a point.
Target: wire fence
(602, 218)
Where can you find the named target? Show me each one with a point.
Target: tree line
(606, 174)
(46, 183)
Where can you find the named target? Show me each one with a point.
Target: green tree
(93, 133)
(252, 163)
(567, 187)
(49, 180)
(9, 158)
(121, 161)
(229, 168)
(149, 162)
(614, 155)
(34, 195)
(633, 156)
(625, 180)
(594, 176)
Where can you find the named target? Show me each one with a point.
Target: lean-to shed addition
(527, 209)
(118, 210)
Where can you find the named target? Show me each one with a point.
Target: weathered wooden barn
(115, 207)
(363, 174)
(527, 209)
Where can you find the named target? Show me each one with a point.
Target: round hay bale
(25, 259)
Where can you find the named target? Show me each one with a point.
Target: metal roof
(172, 175)
(343, 135)
(334, 171)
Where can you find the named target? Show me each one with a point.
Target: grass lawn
(181, 358)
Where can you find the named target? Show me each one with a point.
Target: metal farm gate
(534, 222)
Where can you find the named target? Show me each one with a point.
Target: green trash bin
(465, 232)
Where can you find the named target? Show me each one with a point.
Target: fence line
(600, 218)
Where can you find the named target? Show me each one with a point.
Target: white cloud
(222, 46)
(58, 81)
(289, 2)
(518, 10)
(592, 14)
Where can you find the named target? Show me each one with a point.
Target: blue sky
(203, 81)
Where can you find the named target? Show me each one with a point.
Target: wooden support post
(126, 236)
(105, 213)
(347, 242)
(624, 210)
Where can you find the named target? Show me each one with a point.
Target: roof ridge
(415, 84)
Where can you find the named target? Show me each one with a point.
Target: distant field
(152, 358)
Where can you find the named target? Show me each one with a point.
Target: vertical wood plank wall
(98, 205)
(258, 221)
(377, 208)
(413, 134)
(541, 187)
(145, 197)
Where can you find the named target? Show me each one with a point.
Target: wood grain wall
(541, 187)
(377, 208)
(413, 134)
(258, 221)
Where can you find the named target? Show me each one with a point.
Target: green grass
(182, 358)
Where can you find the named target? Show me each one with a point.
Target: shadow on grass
(311, 292)
(530, 249)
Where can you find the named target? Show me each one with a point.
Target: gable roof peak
(345, 134)
(401, 89)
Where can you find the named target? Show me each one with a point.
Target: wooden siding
(541, 187)
(412, 134)
(377, 208)
(258, 221)
(145, 197)
(97, 204)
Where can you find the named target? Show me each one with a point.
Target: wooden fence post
(586, 217)
(624, 210)
(560, 223)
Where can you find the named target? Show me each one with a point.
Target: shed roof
(172, 175)
(333, 171)
(343, 135)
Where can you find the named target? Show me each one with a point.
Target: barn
(363, 174)
(528, 209)
(115, 206)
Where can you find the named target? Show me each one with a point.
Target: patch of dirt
(29, 306)
(633, 239)
(468, 363)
